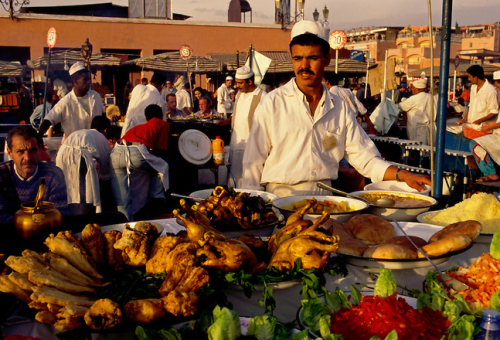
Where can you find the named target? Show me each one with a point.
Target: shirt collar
(23, 179)
(301, 94)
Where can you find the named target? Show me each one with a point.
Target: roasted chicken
(158, 260)
(136, 243)
(196, 232)
(227, 255)
(184, 261)
(103, 315)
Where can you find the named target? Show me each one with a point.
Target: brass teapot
(37, 219)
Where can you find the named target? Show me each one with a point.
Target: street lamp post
(325, 13)
(13, 6)
(316, 14)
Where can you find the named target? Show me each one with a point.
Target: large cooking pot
(37, 218)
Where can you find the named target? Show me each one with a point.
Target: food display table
(402, 143)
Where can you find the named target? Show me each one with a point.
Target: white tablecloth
(288, 300)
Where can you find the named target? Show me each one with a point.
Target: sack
(472, 133)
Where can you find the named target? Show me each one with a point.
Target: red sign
(337, 39)
(185, 52)
(51, 37)
(457, 61)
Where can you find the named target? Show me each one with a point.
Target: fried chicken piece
(57, 280)
(103, 315)
(53, 308)
(180, 303)
(113, 256)
(226, 255)
(180, 248)
(44, 294)
(61, 265)
(299, 214)
(183, 261)
(10, 287)
(193, 280)
(70, 317)
(23, 265)
(68, 235)
(256, 245)
(313, 248)
(21, 280)
(38, 305)
(45, 316)
(163, 245)
(72, 252)
(34, 254)
(136, 243)
(287, 232)
(194, 215)
(93, 242)
(144, 311)
(195, 231)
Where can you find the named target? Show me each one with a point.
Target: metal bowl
(266, 196)
(397, 186)
(396, 213)
(357, 205)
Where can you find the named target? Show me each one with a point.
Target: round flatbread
(404, 242)
(351, 246)
(370, 229)
(390, 252)
(446, 245)
(470, 228)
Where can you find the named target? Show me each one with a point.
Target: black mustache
(307, 71)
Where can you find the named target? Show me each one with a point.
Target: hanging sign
(337, 39)
(457, 61)
(51, 37)
(185, 52)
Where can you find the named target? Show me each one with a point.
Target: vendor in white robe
(301, 131)
(246, 101)
(223, 95)
(418, 112)
(84, 158)
(141, 97)
(486, 149)
(75, 110)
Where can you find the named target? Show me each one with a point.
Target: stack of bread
(373, 237)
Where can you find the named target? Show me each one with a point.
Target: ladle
(196, 199)
(380, 201)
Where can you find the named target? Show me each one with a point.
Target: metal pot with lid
(37, 218)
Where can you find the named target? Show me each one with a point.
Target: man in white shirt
(75, 110)
(418, 112)
(206, 110)
(184, 100)
(483, 105)
(301, 131)
(141, 97)
(168, 89)
(223, 95)
(246, 101)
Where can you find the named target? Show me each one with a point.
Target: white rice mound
(481, 207)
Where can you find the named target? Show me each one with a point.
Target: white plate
(195, 147)
(397, 186)
(422, 230)
(121, 226)
(266, 196)
(300, 316)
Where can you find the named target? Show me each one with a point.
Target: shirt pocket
(330, 144)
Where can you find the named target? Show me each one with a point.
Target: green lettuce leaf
(451, 310)
(304, 335)
(224, 327)
(495, 246)
(324, 326)
(495, 301)
(262, 327)
(284, 330)
(312, 311)
(356, 295)
(386, 284)
(462, 329)
(344, 301)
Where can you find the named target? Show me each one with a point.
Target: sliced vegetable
(386, 284)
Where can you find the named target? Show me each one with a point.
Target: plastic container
(489, 326)
(218, 151)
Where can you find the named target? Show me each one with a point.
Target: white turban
(421, 83)
(496, 75)
(244, 72)
(318, 28)
(229, 78)
(78, 66)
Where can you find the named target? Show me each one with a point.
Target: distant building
(236, 8)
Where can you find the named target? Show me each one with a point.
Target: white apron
(491, 143)
(69, 156)
(299, 189)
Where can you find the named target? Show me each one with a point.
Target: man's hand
(414, 180)
(224, 122)
(461, 121)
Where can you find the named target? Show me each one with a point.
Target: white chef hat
(229, 78)
(318, 28)
(244, 72)
(421, 83)
(78, 66)
(496, 75)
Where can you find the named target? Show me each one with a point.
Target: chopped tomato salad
(376, 316)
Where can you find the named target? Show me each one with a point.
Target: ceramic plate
(195, 147)
(266, 196)
(422, 230)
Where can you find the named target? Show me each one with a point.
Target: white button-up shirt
(354, 104)
(222, 96)
(141, 97)
(288, 145)
(482, 102)
(241, 130)
(71, 114)
(183, 99)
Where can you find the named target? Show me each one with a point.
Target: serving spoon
(447, 280)
(196, 199)
(380, 201)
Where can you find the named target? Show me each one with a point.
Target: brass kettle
(37, 219)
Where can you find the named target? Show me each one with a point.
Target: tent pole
(433, 114)
(46, 85)
(443, 94)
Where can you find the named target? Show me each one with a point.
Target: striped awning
(59, 59)
(172, 62)
(8, 69)
(282, 62)
(461, 70)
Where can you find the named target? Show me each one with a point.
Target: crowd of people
(283, 142)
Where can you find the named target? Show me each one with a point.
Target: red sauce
(376, 316)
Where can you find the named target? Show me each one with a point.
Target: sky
(343, 14)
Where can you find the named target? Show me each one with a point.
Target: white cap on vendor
(496, 75)
(421, 83)
(78, 66)
(244, 72)
(229, 78)
(318, 28)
